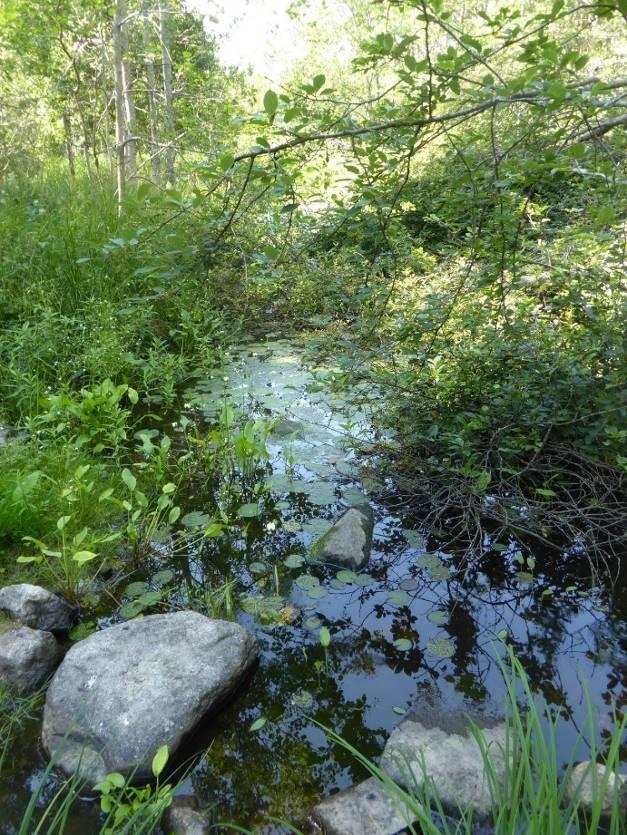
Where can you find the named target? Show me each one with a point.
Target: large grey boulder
(349, 541)
(27, 658)
(185, 817)
(122, 693)
(442, 749)
(366, 809)
(36, 607)
(588, 781)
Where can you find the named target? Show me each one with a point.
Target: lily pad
(348, 468)
(258, 567)
(441, 647)
(346, 576)
(136, 589)
(354, 497)
(322, 493)
(250, 510)
(294, 560)
(314, 622)
(439, 617)
(408, 585)
(317, 527)
(403, 644)
(131, 610)
(302, 698)
(307, 582)
(195, 519)
(399, 598)
(414, 538)
(292, 526)
(363, 580)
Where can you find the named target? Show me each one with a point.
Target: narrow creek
(415, 623)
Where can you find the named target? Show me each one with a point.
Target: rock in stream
(438, 745)
(122, 693)
(349, 541)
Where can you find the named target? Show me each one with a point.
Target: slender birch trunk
(69, 144)
(129, 99)
(149, 64)
(166, 60)
(120, 115)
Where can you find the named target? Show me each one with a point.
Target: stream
(415, 623)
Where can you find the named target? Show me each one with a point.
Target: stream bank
(414, 623)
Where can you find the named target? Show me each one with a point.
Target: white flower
(271, 526)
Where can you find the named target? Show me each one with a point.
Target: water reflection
(417, 624)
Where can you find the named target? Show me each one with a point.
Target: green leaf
(307, 582)
(294, 561)
(226, 161)
(84, 556)
(302, 698)
(129, 479)
(62, 522)
(258, 567)
(159, 760)
(136, 589)
(403, 644)
(325, 636)
(258, 724)
(399, 598)
(195, 519)
(318, 82)
(173, 515)
(132, 395)
(270, 102)
(441, 647)
(248, 511)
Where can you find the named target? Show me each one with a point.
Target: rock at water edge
(122, 693)
(185, 817)
(349, 541)
(366, 809)
(586, 782)
(452, 761)
(27, 658)
(36, 607)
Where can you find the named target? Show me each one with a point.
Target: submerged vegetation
(228, 312)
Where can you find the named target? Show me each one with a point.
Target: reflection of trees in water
(284, 769)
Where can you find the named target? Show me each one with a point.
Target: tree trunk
(149, 63)
(105, 97)
(167, 91)
(120, 115)
(67, 129)
(129, 100)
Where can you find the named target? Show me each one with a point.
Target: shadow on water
(414, 626)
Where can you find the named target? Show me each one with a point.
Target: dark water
(417, 624)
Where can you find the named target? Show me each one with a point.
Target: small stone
(366, 809)
(584, 785)
(125, 691)
(185, 817)
(349, 541)
(36, 607)
(27, 658)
